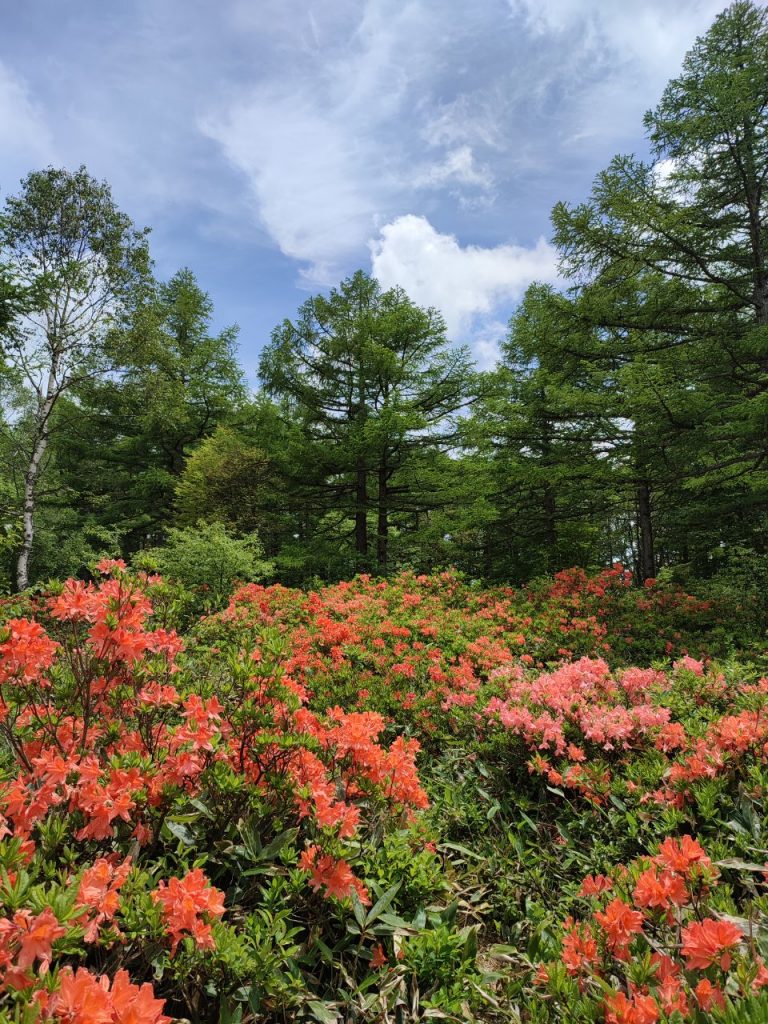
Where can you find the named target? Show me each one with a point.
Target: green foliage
(68, 545)
(748, 1011)
(226, 479)
(443, 963)
(741, 576)
(80, 265)
(676, 288)
(208, 559)
(404, 860)
(372, 386)
(124, 444)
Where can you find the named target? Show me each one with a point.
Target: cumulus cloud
(466, 283)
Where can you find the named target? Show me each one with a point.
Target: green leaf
(230, 1014)
(323, 1012)
(381, 904)
(359, 911)
(179, 831)
(278, 843)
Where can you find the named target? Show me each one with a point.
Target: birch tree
(77, 259)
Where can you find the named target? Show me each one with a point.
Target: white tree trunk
(30, 503)
(39, 445)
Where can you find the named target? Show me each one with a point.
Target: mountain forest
(377, 686)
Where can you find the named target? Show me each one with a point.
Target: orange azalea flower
(335, 875)
(27, 652)
(659, 889)
(761, 978)
(99, 893)
(640, 1009)
(689, 665)
(682, 855)
(82, 998)
(184, 901)
(620, 923)
(709, 995)
(672, 997)
(101, 804)
(580, 952)
(379, 957)
(108, 566)
(135, 1004)
(595, 885)
(708, 942)
(541, 977)
(37, 935)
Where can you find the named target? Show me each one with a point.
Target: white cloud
(306, 175)
(460, 167)
(469, 118)
(486, 343)
(364, 110)
(630, 50)
(466, 283)
(664, 169)
(316, 143)
(650, 31)
(25, 139)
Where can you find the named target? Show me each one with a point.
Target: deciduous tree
(77, 258)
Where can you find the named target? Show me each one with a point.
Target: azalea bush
(655, 944)
(405, 646)
(380, 801)
(151, 820)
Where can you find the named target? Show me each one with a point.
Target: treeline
(627, 419)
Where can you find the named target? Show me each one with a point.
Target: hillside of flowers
(382, 801)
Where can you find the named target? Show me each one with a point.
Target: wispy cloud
(285, 143)
(397, 109)
(631, 49)
(25, 136)
(458, 168)
(328, 148)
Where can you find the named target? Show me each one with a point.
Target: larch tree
(129, 435)
(694, 222)
(374, 383)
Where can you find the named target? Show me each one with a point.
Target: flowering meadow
(402, 800)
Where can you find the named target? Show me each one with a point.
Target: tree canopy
(626, 419)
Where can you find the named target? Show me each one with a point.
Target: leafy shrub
(207, 558)
(659, 935)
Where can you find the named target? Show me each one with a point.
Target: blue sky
(274, 146)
